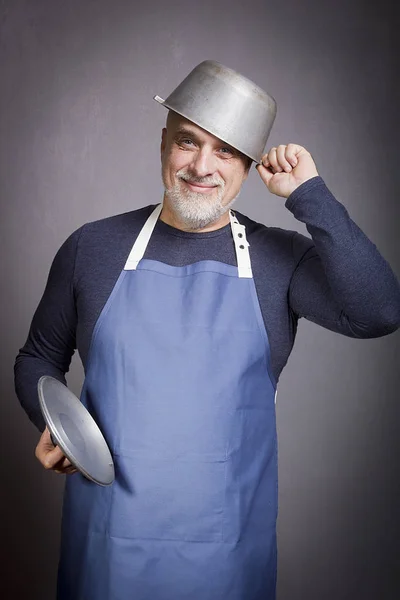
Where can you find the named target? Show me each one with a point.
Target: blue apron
(179, 380)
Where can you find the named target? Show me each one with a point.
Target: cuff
(304, 190)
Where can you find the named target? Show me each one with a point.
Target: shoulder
(124, 223)
(103, 245)
(109, 231)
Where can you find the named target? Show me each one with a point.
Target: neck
(168, 216)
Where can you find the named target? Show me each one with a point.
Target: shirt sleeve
(341, 281)
(51, 340)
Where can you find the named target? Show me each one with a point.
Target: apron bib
(179, 381)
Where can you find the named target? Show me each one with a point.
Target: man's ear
(249, 162)
(163, 140)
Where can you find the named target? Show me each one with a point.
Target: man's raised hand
(286, 167)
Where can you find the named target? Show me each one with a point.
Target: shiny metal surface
(227, 105)
(73, 429)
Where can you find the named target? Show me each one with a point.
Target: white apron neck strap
(241, 247)
(238, 233)
(139, 247)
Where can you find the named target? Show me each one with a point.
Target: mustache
(212, 180)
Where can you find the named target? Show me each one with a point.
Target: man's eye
(226, 150)
(186, 141)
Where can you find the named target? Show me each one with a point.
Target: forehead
(177, 124)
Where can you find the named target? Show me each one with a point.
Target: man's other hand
(52, 457)
(286, 167)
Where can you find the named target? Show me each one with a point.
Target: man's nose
(204, 163)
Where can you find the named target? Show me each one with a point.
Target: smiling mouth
(200, 187)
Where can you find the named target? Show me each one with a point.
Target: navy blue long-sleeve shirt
(337, 279)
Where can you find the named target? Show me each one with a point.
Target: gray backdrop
(80, 140)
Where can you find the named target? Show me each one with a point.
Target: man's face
(202, 175)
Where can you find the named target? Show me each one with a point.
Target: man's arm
(51, 340)
(341, 281)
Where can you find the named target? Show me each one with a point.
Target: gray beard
(194, 209)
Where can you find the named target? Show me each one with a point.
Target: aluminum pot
(227, 105)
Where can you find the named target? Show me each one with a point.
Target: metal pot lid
(75, 431)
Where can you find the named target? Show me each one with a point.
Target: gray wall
(80, 140)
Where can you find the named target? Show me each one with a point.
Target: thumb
(265, 174)
(48, 454)
(47, 440)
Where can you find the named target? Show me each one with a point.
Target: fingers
(282, 158)
(63, 464)
(52, 457)
(292, 150)
(272, 159)
(65, 470)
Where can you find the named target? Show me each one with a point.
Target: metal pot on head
(227, 105)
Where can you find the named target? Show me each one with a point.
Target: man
(184, 331)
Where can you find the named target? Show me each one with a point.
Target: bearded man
(184, 315)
